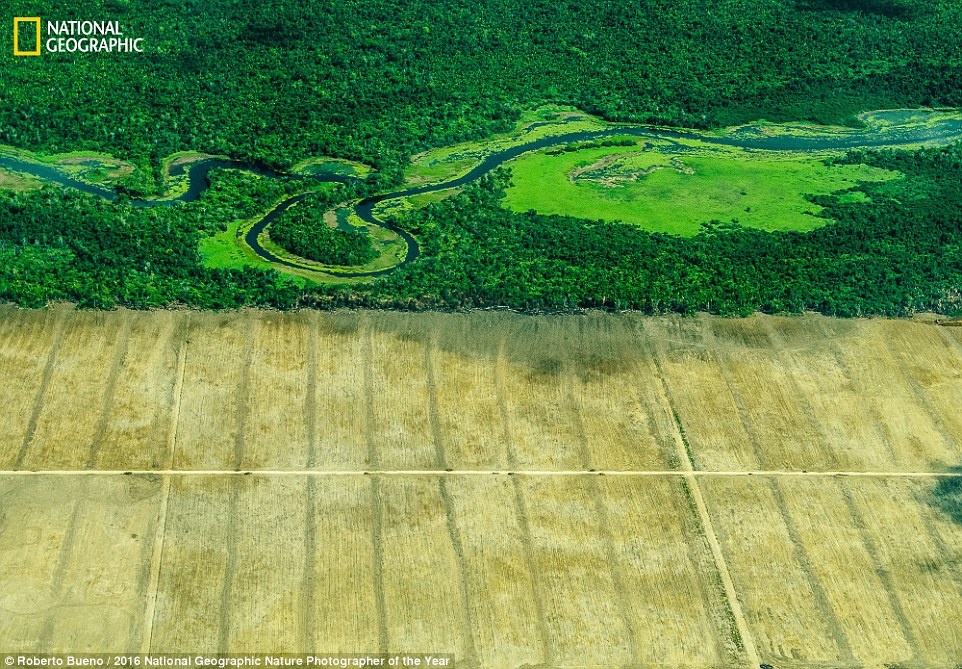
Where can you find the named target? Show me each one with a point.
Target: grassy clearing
(397, 207)
(17, 182)
(91, 167)
(177, 186)
(225, 250)
(228, 250)
(104, 170)
(676, 185)
(343, 167)
(903, 123)
(900, 126)
(446, 163)
(662, 192)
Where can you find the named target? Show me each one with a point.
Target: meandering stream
(895, 134)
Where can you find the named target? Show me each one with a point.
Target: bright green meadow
(655, 190)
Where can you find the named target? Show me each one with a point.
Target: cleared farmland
(514, 491)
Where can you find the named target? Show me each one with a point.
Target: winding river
(942, 130)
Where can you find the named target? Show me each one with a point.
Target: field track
(467, 472)
(580, 491)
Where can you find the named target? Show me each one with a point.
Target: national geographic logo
(26, 22)
(71, 37)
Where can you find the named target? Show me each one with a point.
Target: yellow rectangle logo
(16, 35)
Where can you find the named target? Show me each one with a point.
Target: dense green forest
(899, 253)
(274, 81)
(59, 244)
(302, 231)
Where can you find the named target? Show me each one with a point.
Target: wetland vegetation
(282, 81)
(659, 220)
(662, 192)
(893, 247)
(303, 231)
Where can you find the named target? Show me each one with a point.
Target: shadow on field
(590, 346)
(947, 496)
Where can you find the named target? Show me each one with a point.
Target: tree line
(899, 253)
(375, 80)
